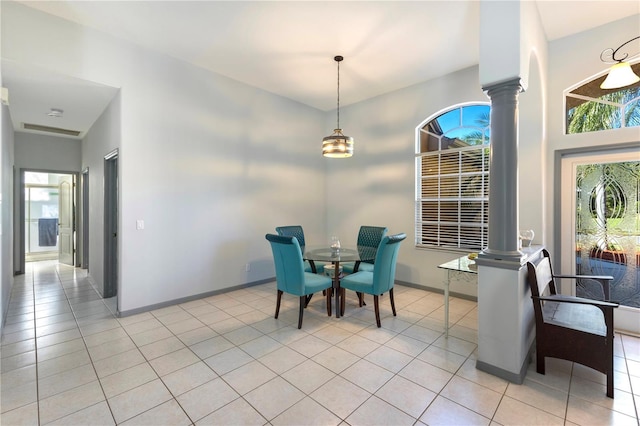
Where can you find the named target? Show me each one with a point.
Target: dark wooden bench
(571, 328)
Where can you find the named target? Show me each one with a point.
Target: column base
(501, 259)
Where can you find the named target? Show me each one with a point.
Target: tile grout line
(331, 345)
(35, 345)
(84, 342)
(626, 363)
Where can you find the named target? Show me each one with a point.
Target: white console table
(461, 267)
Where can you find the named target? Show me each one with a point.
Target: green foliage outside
(594, 116)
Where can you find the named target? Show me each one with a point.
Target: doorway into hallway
(48, 210)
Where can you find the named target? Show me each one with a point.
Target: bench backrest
(541, 282)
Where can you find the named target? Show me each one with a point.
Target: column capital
(513, 84)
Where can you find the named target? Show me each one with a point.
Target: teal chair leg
(278, 303)
(376, 304)
(303, 303)
(393, 303)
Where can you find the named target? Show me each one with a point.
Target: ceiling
(287, 47)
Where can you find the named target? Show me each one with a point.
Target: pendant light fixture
(337, 145)
(620, 74)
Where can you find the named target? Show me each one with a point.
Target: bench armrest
(603, 280)
(573, 299)
(593, 277)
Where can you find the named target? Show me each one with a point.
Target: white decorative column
(503, 166)
(505, 311)
(508, 36)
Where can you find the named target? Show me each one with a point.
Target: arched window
(452, 171)
(590, 108)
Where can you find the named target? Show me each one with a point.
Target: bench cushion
(585, 318)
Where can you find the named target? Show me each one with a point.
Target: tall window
(452, 170)
(590, 108)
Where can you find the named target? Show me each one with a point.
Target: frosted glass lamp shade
(620, 75)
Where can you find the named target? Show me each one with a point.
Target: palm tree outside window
(590, 108)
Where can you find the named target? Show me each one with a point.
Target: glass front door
(607, 229)
(600, 229)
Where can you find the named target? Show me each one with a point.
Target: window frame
(588, 92)
(445, 239)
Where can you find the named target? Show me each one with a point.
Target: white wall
(377, 185)
(574, 60)
(500, 42)
(211, 165)
(208, 163)
(6, 211)
(532, 132)
(47, 153)
(100, 140)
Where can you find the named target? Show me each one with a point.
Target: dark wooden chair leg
(376, 304)
(539, 362)
(393, 303)
(328, 294)
(302, 304)
(308, 299)
(343, 293)
(360, 298)
(278, 303)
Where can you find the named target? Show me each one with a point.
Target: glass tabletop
(327, 254)
(461, 264)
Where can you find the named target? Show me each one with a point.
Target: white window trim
(419, 200)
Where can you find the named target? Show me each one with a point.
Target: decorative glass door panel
(608, 229)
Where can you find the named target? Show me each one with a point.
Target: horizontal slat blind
(453, 206)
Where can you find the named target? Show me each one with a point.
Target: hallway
(66, 359)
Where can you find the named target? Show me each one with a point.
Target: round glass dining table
(329, 254)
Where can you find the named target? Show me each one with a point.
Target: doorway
(601, 202)
(110, 288)
(84, 261)
(48, 216)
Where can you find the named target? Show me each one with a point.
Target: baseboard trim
(147, 308)
(127, 313)
(517, 378)
(437, 290)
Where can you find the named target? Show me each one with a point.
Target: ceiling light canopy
(620, 74)
(55, 112)
(337, 145)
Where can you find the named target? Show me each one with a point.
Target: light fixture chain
(338, 95)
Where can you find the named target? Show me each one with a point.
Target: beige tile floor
(66, 359)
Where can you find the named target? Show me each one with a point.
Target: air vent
(49, 129)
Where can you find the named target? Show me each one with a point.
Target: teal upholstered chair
(298, 232)
(382, 278)
(291, 276)
(368, 237)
